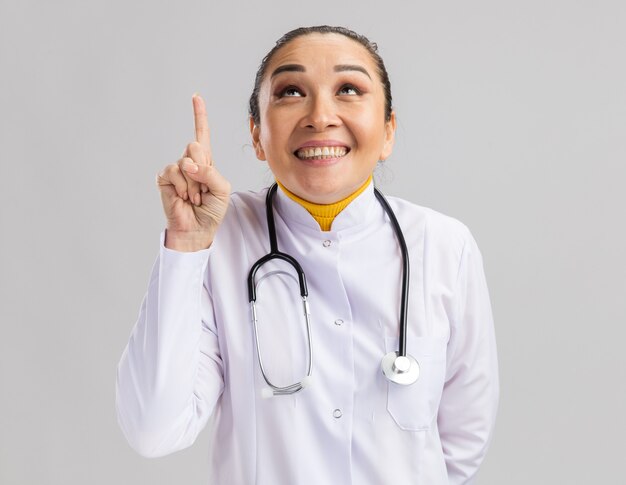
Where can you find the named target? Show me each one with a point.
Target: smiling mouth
(321, 153)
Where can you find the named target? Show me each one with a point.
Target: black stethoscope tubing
(404, 300)
(276, 254)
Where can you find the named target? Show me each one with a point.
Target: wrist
(186, 241)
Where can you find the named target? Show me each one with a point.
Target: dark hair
(372, 48)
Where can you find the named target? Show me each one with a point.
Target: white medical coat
(192, 354)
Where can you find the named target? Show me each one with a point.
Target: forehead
(322, 50)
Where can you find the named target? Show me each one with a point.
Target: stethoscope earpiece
(267, 392)
(306, 382)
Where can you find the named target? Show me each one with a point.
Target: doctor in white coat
(321, 116)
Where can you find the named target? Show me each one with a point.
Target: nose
(321, 112)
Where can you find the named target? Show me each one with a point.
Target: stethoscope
(397, 366)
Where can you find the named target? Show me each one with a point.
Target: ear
(390, 136)
(255, 131)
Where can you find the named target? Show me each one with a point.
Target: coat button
(338, 322)
(337, 413)
(326, 243)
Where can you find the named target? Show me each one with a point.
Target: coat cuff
(192, 258)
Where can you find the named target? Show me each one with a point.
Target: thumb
(210, 176)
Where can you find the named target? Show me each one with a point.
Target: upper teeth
(310, 152)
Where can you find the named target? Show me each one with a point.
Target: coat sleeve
(470, 396)
(170, 375)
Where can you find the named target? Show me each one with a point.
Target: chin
(322, 188)
(324, 194)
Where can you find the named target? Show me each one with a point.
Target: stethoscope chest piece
(400, 369)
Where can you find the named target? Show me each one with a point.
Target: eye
(287, 92)
(349, 87)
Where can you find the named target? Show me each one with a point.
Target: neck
(325, 214)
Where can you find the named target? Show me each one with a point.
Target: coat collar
(357, 213)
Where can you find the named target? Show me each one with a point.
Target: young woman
(378, 365)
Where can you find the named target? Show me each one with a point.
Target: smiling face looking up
(322, 88)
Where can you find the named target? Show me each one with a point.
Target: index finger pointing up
(201, 124)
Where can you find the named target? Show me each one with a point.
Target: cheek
(276, 137)
(369, 136)
(268, 143)
(362, 125)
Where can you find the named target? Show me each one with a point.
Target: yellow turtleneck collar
(324, 214)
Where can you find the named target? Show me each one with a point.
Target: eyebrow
(301, 68)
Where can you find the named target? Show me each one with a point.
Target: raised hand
(194, 194)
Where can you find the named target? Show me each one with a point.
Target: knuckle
(163, 174)
(181, 162)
